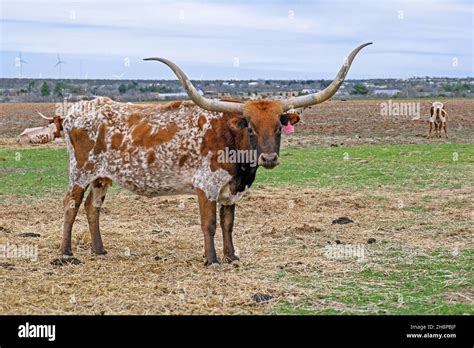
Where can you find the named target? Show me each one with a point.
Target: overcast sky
(236, 39)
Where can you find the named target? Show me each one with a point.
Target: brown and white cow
(176, 148)
(42, 135)
(438, 119)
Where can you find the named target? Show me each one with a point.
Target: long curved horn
(205, 103)
(45, 117)
(328, 92)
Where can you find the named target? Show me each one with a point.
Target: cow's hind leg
(72, 202)
(226, 214)
(438, 129)
(445, 127)
(92, 206)
(429, 131)
(207, 210)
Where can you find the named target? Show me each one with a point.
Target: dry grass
(278, 231)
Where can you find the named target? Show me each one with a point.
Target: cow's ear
(237, 123)
(292, 117)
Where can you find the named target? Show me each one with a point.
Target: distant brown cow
(438, 118)
(42, 135)
(58, 121)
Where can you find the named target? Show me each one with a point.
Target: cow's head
(263, 118)
(58, 122)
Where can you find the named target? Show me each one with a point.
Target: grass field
(416, 201)
(37, 171)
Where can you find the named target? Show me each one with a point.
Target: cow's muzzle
(268, 160)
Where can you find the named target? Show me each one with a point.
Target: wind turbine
(19, 63)
(58, 64)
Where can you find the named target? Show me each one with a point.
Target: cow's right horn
(45, 117)
(328, 92)
(205, 103)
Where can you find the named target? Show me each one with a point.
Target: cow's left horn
(328, 92)
(45, 117)
(205, 103)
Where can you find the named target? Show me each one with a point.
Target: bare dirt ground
(154, 261)
(15, 117)
(361, 122)
(333, 122)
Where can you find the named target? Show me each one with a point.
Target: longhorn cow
(438, 119)
(176, 148)
(42, 135)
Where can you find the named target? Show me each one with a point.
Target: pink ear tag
(288, 129)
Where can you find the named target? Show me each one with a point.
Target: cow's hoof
(211, 263)
(66, 253)
(214, 265)
(102, 252)
(233, 260)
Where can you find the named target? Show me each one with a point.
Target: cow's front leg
(207, 210)
(226, 215)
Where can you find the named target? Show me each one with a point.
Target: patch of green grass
(400, 166)
(416, 209)
(413, 284)
(457, 203)
(39, 171)
(377, 198)
(426, 198)
(34, 172)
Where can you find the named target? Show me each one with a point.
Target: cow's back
(151, 149)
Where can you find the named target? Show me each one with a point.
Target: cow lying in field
(176, 148)
(438, 119)
(42, 135)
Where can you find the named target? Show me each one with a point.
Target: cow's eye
(251, 131)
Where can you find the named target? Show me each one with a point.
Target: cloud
(308, 37)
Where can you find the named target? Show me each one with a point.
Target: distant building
(287, 93)
(211, 94)
(386, 92)
(179, 95)
(342, 93)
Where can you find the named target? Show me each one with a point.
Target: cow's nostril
(268, 160)
(270, 157)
